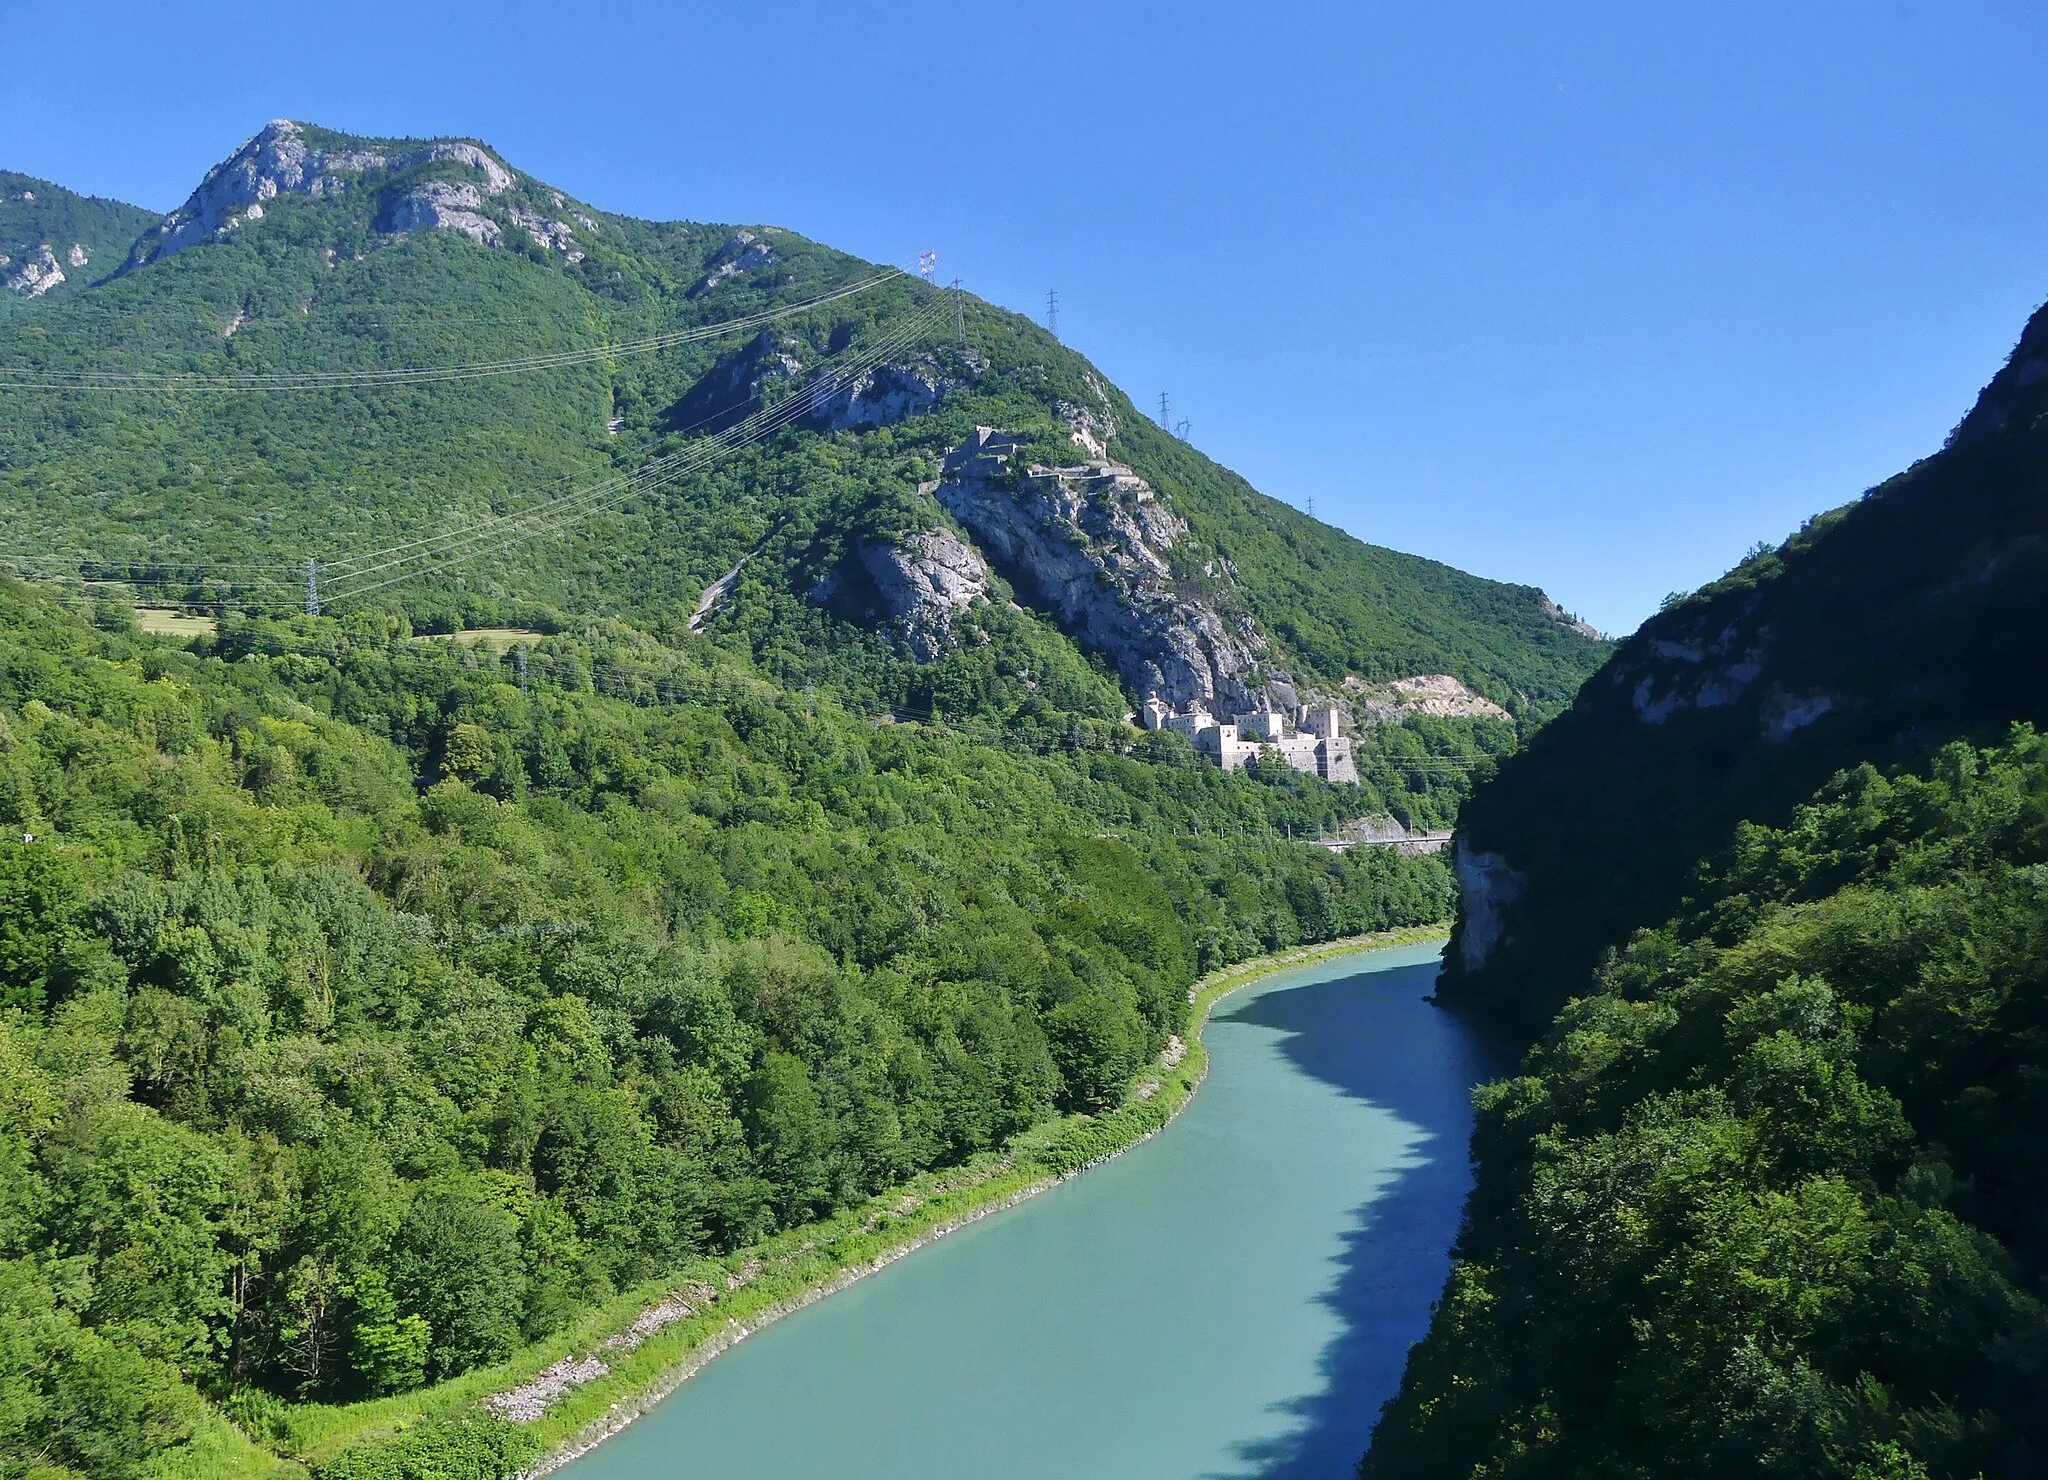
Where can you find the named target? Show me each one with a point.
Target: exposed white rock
(443, 205)
(1786, 714)
(1486, 887)
(497, 179)
(1092, 543)
(38, 275)
(742, 253)
(555, 236)
(1436, 695)
(923, 583)
(279, 161)
(881, 397)
(1698, 669)
(1091, 430)
(1583, 628)
(76, 256)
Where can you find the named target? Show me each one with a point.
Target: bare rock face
(736, 385)
(742, 253)
(1487, 888)
(1578, 625)
(76, 256)
(882, 397)
(924, 582)
(1437, 695)
(1091, 543)
(37, 275)
(442, 205)
(554, 236)
(279, 161)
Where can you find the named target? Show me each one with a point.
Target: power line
(431, 554)
(29, 378)
(460, 546)
(1052, 313)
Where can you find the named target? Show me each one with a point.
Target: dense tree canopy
(1772, 1197)
(368, 1013)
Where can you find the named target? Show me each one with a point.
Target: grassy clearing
(163, 621)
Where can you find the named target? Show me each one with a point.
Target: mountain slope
(309, 250)
(1877, 633)
(1766, 1197)
(54, 242)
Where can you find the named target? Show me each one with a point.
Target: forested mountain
(378, 995)
(886, 544)
(53, 242)
(1766, 1197)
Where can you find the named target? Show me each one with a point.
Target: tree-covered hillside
(1771, 1197)
(1879, 632)
(1766, 1198)
(426, 253)
(369, 1007)
(86, 238)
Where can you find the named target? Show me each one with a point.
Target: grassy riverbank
(627, 1355)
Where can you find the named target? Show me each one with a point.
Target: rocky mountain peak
(284, 158)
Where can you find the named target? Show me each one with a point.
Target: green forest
(370, 1010)
(1767, 1199)
(1766, 1195)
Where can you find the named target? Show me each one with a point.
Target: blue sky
(1591, 296)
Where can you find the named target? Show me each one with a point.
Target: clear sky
(1592, 296)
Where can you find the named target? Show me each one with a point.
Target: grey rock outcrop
(280, 161)
(554, 236)
(923, 583)
(443, 205)
(735, 386)
(1091, 543)
(742, 253)
(881, 397)
(37, 275)
(1487, 888)
(76, 256)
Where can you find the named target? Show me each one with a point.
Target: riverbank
(587, 1383)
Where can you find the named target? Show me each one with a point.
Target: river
(1235, 1297)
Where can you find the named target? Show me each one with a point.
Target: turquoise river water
(1235, 1297)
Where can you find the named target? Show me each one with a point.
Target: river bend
(1235, 1297)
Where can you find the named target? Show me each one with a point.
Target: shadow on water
(1374, 1037)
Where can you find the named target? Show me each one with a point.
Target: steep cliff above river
(1915, 616)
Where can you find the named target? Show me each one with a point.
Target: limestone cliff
(923, 583)
(281, 160)
(1093, 544)
(35, 276)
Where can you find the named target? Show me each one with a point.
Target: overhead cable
(23, 377)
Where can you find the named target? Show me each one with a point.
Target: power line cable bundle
(27, 378)
(359, 573)
(350, 576)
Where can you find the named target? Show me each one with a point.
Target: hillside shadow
(1374, 1037)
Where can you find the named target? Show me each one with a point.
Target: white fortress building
(1309, 742)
